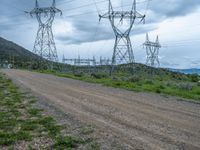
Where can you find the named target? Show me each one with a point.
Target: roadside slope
(140, 120)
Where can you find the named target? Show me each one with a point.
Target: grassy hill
(16, 55)
(20, 57)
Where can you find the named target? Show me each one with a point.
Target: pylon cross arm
(45, 10)
(122, 14)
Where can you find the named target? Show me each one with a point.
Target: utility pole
(152, 51)
(44, 44)
(123, 52)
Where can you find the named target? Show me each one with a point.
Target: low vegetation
(24, 126)
(141, 78)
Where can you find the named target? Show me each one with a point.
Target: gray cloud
(174, 8)
(160, 10)
(86, 25)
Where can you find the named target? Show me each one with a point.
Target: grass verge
(22, 126)
(177, 85)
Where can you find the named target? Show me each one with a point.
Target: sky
(79, 32)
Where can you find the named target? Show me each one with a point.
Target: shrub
(115, 79)
(186, 86)
(177, 76)
(161, 87)
(158, 91)
(78, 74)
(99, 75)
(134, 79)
(194, 77)
(150, 82)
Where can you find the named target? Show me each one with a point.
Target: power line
(60, 3)
(82, 6)
(90, 12)
(147, 7)
(98, 12)
(103, 1)
(183, 41)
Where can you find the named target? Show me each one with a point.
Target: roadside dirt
(122, 119)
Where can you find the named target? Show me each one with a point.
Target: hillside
(16, 55)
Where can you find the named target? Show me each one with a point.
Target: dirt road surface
(133, 120)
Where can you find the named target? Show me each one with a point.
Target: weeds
(21, 121)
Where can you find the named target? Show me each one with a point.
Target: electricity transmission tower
(123, 52)
(152, 50)
(44, 44)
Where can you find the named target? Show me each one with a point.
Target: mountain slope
(17, 55)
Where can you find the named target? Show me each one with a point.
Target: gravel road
(133, 120)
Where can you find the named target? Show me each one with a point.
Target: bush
(99, 75)
(134, 79)
(161, 87)
(186, 87)
(150, 82)
(194, 77)
(177, 76)
(158, 91)
(115, 79)
(78, 74)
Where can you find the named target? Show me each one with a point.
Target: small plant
(94, 146)
(34, 111)
(87, 130)
(66, 142)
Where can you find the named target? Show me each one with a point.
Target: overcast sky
(78, 31)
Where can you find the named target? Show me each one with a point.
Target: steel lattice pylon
(152, 50)
(44, 44)
(123, 52)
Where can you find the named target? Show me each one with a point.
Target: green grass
(21, 121)
(69, 142)
(163, 82)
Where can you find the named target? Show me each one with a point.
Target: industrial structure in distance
(152, 52)
(86, 62)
